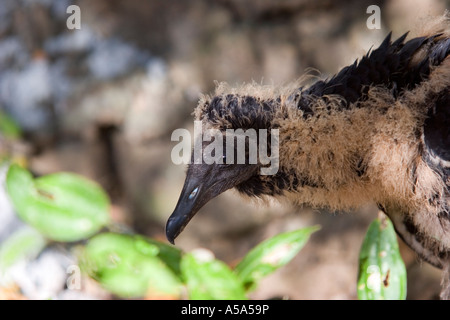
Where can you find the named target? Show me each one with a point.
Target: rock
(44, 277)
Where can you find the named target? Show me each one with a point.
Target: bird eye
(193, 194)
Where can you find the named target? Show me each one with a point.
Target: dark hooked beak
(190, 201)
(203, 182)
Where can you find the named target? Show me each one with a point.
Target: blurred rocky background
(103, 101)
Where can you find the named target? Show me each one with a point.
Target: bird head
(223, 162)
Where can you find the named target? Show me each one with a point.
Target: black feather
(437, 127)
(243, 112)
(388, 65)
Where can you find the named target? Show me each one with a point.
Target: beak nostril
(193, 193)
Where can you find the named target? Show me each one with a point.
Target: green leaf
(62, 206)
(129, 266)
(8, 127)
(382, 273)
(26, 243)
(169, 254)
(272, 254)
(210, 279)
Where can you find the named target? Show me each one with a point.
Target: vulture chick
(378, 131)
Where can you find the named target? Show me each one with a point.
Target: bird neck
(340, 156)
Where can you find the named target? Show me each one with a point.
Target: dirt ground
(103, 101)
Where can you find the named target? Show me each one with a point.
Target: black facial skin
(204, 182)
